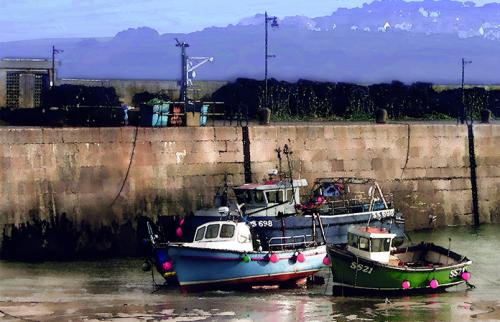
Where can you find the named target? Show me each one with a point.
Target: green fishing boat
(369, 264)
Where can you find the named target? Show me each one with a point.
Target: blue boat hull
(201, 268)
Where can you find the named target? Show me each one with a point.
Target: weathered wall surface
(79, 172)
(426, 166)
(487, 147)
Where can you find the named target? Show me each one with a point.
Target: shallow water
(117, 290)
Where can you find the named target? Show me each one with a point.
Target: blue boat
(224, 255)
(273, 209)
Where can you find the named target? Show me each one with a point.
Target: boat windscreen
(380, 244)
(243, 196)
(200, 233)
(275, 196)
(352, 240)
(250, 196)
(363, 244)
(227, 231)
(212, 231)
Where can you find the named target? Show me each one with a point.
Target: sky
(38, 19)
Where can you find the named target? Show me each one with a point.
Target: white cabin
(226, 235)
(271, 198)
(370, 243)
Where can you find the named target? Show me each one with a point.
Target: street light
(274, 24)
(54, 52)
(462, 114)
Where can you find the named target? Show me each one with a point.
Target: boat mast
(381, 195)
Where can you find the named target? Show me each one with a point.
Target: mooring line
(407, 152)
(17, 317)
(134, 143)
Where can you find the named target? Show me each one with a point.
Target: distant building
(23, 80)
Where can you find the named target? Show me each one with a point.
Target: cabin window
(381, 244)
(288, 195)
(250, 196)
(212, 231)
(259, 197)
(353, 240)
(227, 231)
(363, 243)
(274, 196)
(243, 196)
(199, 233)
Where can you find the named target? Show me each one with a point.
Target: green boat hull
(356, 274)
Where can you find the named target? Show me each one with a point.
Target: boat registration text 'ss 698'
(261, 223)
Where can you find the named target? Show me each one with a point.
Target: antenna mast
(188, 67)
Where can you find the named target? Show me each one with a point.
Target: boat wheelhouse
(371, 243)
(270, 199)
(227, 235)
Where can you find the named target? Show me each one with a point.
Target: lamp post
(274, 24)
(53, 76)
(462, 114)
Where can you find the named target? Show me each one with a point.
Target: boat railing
(290, 242)
(357, 204)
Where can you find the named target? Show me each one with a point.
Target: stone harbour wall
(96, 182)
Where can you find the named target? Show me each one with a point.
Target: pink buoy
(181, 222)
(434, 284)
(179, 232)
(301, 258)
(466, 276)
(167, 266)
(327, 261)
(406, 284)
(274, 258)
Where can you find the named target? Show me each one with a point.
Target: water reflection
(117, 290)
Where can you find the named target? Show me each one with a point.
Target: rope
(156, 286)
(407, 152)
(17, 317)
(134, 143)
(469, 285)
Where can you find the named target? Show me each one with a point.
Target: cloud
(31, 19)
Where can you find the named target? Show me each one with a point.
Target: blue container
(160, 115)
(156, 115)
(204, 115)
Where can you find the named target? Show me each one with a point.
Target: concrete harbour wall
(104, 178)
